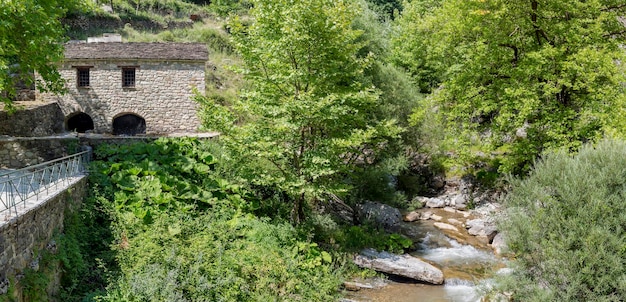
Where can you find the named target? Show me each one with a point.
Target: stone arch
(80, 122)
(128, 124)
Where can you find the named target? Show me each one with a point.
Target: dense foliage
(518, 78)
(320, 105)
(182, 233)
(565, 226)
(31, 38)
(307, 117)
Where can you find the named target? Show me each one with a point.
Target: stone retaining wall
(23, 238)
(39, 121)
(19, 152)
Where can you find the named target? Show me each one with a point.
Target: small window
(82, 76)
(128, 77)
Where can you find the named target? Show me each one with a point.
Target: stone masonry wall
(24, 237)
(162, 94)
(17, 153)
(38, 121)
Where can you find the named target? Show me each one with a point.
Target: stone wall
(23, 238)
(38, 121)
(162, 94)
(17, 153)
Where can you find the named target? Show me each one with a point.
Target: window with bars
(82, 76)
(128, 77)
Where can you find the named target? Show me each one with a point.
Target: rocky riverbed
(463, 244)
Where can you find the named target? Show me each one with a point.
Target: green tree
(305, 119)
(31, 39)
(565, 226)
(520, 77)
(410, 47)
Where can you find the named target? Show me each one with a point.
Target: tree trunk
(297, 212)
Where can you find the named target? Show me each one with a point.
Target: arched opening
(80, 122)
(129, 124)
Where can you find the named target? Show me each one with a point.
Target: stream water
(465, 266)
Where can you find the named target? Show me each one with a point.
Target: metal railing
(18, 186)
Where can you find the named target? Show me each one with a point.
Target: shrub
(219, 258)
(184, 233)
(565, 226)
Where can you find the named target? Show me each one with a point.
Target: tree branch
(515, 51)
(539, 33)
(294, 62)
(267, 77)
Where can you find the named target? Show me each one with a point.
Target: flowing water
(465, 266)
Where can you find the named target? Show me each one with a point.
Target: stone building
(131, 88)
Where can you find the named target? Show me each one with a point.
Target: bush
(565, 226)
(219, 258)
(184, 233)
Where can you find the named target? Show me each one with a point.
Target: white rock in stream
(401, 265)
(413, 216)
(499, 244)
(481, 227)
(435, 203)
(445, 226)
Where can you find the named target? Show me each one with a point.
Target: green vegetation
(363, 100)
(168, 221)
(307, 115)
(184, 233)
(565, 226)
(31, 38)
(516, 79)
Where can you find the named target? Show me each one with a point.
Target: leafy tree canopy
(306, 117)
(520, 77)
(31, 38)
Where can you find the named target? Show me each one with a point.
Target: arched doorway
(79, 122)
(129, 124)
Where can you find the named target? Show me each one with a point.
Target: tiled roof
(137, 50)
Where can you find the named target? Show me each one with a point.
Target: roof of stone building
(137, 50)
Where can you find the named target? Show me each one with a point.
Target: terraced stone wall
(19, 152)
(25, 238)
(43, 120)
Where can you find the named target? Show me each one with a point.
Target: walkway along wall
(24, 238)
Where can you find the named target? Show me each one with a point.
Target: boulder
(455, 222)
(499, 244)
(413, 216)
(445, 226)
(426, 215)
(438, 182)
(435, 203)
(435, 217)
(449, 210)
(481, 228)
(400, 265)
(382, 214)
(459, 201)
